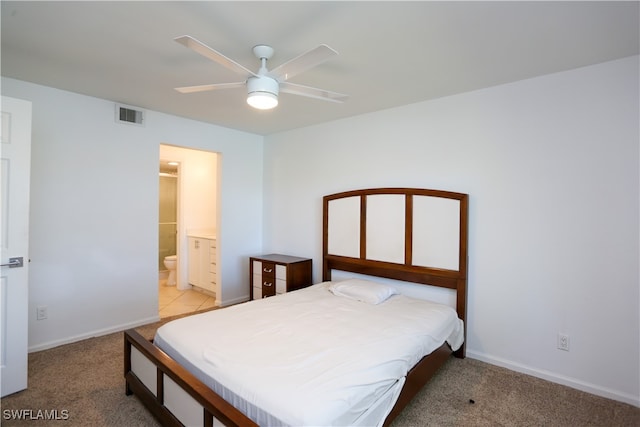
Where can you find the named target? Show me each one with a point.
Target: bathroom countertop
(202, 235)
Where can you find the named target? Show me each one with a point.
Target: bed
(290, 362)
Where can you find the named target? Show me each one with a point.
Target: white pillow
(363, 290)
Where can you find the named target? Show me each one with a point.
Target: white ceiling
(390, 53)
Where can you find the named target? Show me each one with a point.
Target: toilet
(170, 262)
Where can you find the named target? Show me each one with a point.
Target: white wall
(94, 211)
(551, 167)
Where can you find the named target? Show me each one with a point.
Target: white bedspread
(311, 358)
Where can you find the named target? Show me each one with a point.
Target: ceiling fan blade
(214, 55)
(203, 88)
(312, 92)
(303, 62)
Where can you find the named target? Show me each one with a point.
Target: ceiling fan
(264, 85)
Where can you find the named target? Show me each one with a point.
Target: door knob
(13, 262)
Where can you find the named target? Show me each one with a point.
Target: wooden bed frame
(176, 397)
(407, 271)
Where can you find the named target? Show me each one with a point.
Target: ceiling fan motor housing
(262, 84)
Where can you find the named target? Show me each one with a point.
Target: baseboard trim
(234, 301)
(556, 378)
(96, 333)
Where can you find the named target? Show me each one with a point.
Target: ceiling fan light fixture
(262, 100)
(262, 92)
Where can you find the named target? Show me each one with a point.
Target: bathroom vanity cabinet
(276, 274)
(202, 263)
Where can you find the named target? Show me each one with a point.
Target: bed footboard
(172, 394)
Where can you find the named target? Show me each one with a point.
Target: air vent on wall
(128, 114)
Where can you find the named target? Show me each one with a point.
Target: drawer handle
(267, 270)
(267, 284)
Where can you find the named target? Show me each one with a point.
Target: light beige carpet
(84, 380)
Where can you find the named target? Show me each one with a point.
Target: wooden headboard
(408, 234)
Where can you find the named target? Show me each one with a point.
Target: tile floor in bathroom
(172, 301)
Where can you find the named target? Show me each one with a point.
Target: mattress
(310, 357)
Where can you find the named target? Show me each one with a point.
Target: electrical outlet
(563, 342)
(42, 312)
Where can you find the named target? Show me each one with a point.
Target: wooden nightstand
(276, 274)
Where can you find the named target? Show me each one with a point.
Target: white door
(15, 150)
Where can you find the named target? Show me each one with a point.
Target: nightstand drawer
(268, 269)
(268, 287)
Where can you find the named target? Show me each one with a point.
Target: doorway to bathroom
(168, 220)
(188, 206)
